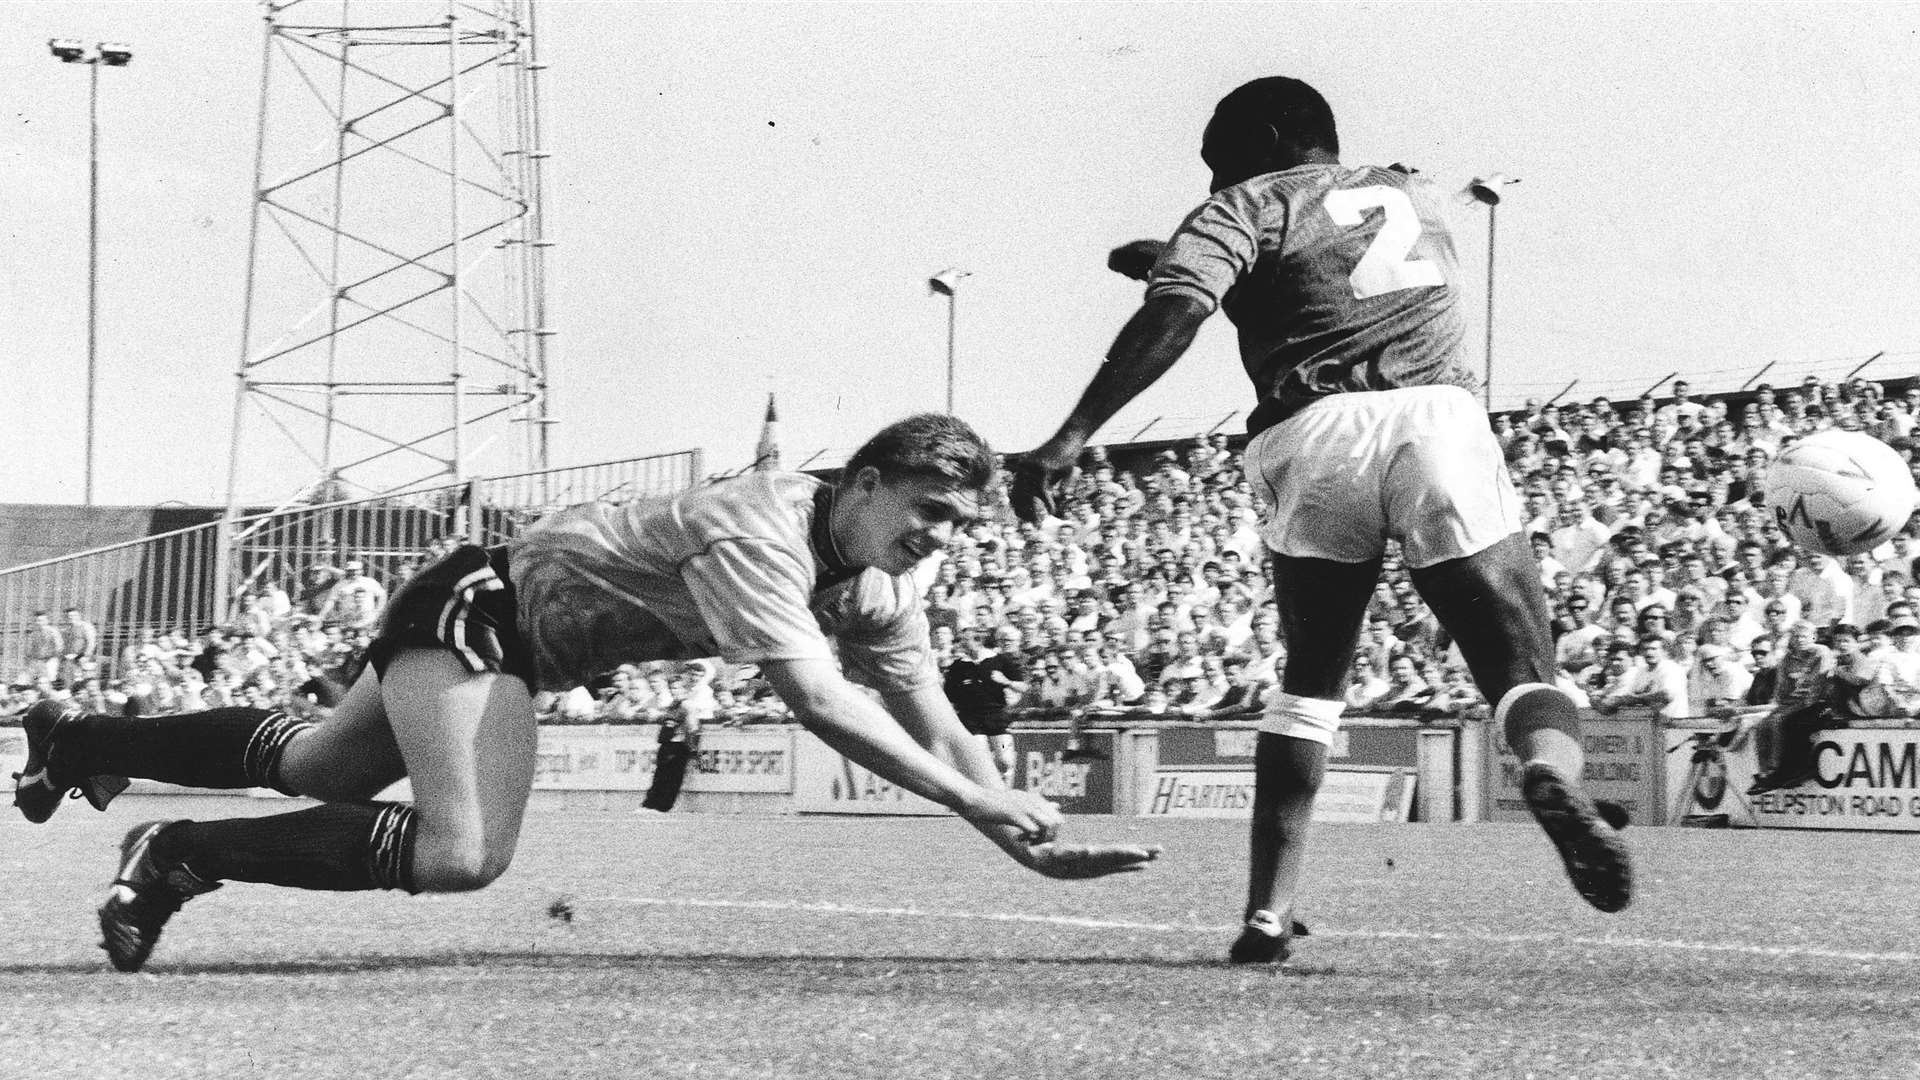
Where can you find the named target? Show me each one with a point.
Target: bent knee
(460, 866)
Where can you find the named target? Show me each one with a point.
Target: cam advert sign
(1350, 795)
(1864, 778)
(607, 757)
(1083, 786)
(1622, 765)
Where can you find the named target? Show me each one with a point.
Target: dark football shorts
(462, 604)
(988, 724)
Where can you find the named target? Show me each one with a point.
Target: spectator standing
(254, 617)
(278, 604)
(44, 650)
(80, 647)
(318, 579)
(355, 601)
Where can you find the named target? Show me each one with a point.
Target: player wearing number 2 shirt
(1343, 287)
(1336, 278)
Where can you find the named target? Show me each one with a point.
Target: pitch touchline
(1670, 944)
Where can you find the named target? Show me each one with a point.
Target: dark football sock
(1542, 725)
(338, 847)
(1288, 773)
(218, 748)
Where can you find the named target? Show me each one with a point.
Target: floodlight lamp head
(68, 50)
(1486, 189)
(114, 54)
(945, 281)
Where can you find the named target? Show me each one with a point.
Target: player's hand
(1136, 259)
(1036, 819)
(1069, 861)
(1038, 478)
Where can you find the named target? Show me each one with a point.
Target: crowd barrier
(1380, 769)
(188, 577)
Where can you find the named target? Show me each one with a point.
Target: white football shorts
(1418, 465)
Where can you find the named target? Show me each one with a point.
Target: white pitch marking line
(1668, 944)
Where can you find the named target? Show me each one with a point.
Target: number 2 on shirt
(1384, 268)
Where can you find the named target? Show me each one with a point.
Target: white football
(1841, 492)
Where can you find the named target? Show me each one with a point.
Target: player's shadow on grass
(759, 965)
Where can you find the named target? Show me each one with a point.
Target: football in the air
(1841, 492)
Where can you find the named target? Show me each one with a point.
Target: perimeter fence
(190, 578)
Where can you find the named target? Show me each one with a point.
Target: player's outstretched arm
(1151, 342)
(845, 719)
(928, 717)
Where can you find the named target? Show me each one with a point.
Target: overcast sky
(750, 199)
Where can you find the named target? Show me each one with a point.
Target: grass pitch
(640, 945)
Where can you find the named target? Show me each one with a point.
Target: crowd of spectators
(1672, 589)
(297, 642)
(293, 645)
(1671, 585)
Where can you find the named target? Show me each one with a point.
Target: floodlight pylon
(395, 325)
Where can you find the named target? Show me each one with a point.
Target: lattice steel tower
(395, 329)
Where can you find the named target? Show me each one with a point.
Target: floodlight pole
(68, 51)
(1493, 218)
(953, 324)
(1486, 190)
(93, 261)
(947, 283)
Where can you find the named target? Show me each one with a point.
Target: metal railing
(188, 579)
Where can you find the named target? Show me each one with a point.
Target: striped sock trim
(1515, 694)
(453, 616)
(1550, 709)
(390, 851)
(261, 758)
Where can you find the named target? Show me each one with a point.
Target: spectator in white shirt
(1899, 670)
(1579, 542)
(1743, 622)
(1775, 593)
(1657, 683)
(1824, 590)
(1550, 567)
(1718, 682)
(1366, 683)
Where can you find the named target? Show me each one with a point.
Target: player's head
(1265, 126)
(903, 494)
